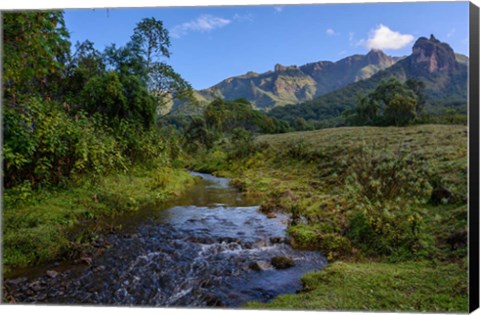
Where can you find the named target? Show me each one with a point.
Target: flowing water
(212, 248)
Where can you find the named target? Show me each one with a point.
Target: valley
(332, 185)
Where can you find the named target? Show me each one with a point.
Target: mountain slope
(294, 84)
(431, 61)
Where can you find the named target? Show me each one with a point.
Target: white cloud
(204, 23)
(351, 35)
(245, 17)
(278, 9)
(330, 32)
(383, 37)
(451, 33)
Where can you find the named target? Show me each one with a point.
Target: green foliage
(89, 112)
(198, 136)
(391, 103)
(401, 110)
(104, 94)
(45, 146)
(35, 49)
(74, 125)
(151, 39)
(241, 144)
(224, 115)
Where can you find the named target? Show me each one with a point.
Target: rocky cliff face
(433, 56)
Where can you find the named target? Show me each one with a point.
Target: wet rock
(36, 286)
(99, 268)
(229, 240)
(41, 297)
(277, 240)
(282, 262)
(201, 240)
(212, 300)
(260, 244)
(260, 265)
(86, 259)
(52, 274)
(271, 215)
(16, 281)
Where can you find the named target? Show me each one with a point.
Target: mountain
(433, 62)
(294, 84)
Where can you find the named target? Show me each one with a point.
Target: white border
(48, 4)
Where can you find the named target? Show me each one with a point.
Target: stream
(211, 247)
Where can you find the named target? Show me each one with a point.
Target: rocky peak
(433, 55)
(378, 57)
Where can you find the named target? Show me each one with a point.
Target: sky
(212, 43)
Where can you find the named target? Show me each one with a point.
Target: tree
(86, 63)
(400, 110)
(392, 102)
(151, 39)
(166, 84)
(35, 50)
(144, 57)
(105, 94)
(367, 110)
(418, 87)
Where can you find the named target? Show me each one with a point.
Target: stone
(271, 215)
(52, 274)
(86, 260)
(282, 262)
(277, 240)
(260, 265)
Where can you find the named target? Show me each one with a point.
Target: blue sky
(210, 44)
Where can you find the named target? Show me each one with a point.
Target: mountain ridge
(443, 72)
(294, 84)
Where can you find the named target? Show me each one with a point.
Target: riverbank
(209, 247)
(44, 225)
(376, 199)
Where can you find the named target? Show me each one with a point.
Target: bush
(383, 189)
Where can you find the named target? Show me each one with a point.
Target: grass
(410, 287)
(48, 224)
(377, 202)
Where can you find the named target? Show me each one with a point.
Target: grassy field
(51, 224)
(379, 199)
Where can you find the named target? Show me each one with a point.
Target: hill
(432, 62)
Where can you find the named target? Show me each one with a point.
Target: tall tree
(152, 39)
